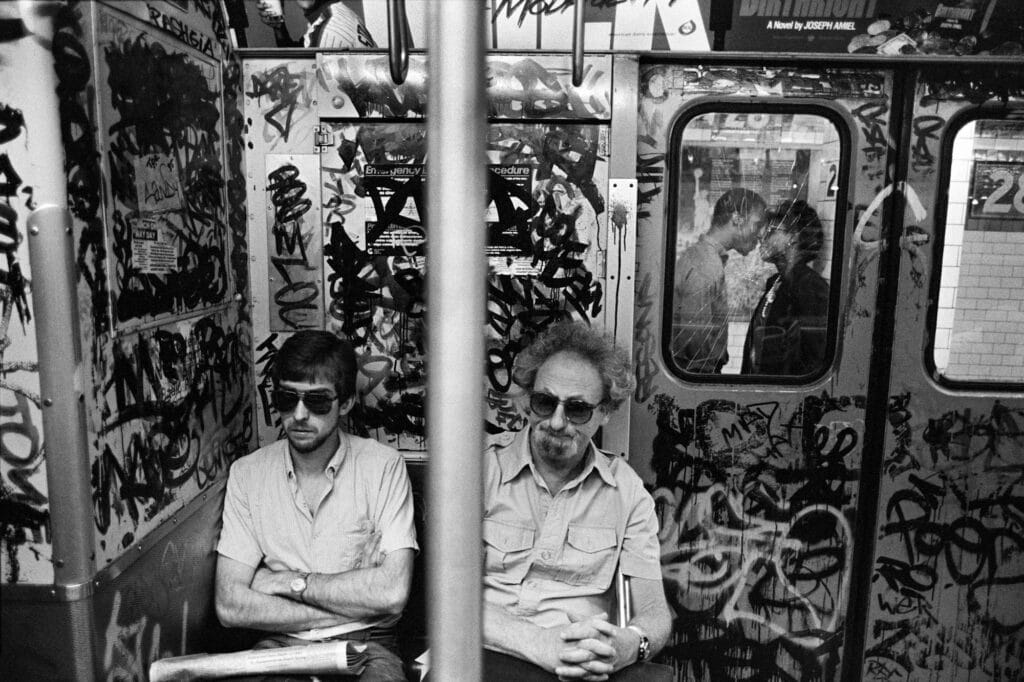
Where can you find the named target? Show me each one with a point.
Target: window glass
(979, 326)
(753, 243)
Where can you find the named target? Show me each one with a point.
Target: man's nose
(300, 413)
(557, 421)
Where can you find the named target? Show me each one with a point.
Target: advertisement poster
(886, 27)
(393, 196)
(510, 190)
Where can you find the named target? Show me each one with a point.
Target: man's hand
(597, 648)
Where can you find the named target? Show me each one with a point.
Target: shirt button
(545, 555)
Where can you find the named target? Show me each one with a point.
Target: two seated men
(318, 538)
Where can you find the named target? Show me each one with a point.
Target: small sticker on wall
(154, 246)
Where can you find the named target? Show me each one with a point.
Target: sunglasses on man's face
(576, 411)
(318, 402)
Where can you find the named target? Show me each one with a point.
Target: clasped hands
(591, 649)
(278, 582)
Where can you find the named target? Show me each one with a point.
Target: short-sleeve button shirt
(550, 555)
(268, 522)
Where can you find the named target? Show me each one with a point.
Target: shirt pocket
(590, 556)
(507, 549)
(342, 548)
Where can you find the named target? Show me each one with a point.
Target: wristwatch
(298, 586)
(644, 650)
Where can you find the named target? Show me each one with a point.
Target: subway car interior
(803, 221)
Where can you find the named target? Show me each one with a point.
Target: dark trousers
(382, 661)
(504, 668)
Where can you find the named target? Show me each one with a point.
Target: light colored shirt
(550, 555)
(267, 521)
(700, 308)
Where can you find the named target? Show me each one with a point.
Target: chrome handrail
(577, 43)
(398, 41)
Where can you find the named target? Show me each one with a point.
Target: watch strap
(644, 649)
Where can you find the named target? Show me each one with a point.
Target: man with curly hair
(786, 335)
(560, 516)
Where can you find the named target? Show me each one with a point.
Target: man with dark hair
(786, 335)
(560, 517)
(700, 310)
(318, 537)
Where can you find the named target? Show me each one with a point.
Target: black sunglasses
(317, 402)
(576, 411)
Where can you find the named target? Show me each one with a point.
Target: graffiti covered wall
(947, 578)
(162, 278)
(546, 220)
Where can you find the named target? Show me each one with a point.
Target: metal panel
(620, 268)
(948, 578)
(167, 379)
(31, 159)
(753, 479)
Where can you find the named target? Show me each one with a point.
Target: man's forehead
(310, 384)
(568, 375)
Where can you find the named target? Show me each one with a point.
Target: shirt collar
(333, 464)
(515, 457)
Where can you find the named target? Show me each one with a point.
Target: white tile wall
(979, 331)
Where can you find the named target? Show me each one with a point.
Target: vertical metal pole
(456, 272)
(51, 252)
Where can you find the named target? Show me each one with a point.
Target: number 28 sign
(997, 190)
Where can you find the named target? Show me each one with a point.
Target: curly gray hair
(612, 363)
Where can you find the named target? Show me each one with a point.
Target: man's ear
(346, 406)
(606, 414)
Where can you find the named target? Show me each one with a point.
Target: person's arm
(352, 595)
(237, 602)
(640, 560)
(239, 605)
(653, 616)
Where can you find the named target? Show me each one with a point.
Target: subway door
(755, 300)
(947, 583)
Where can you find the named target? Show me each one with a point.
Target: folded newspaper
(334, 658)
